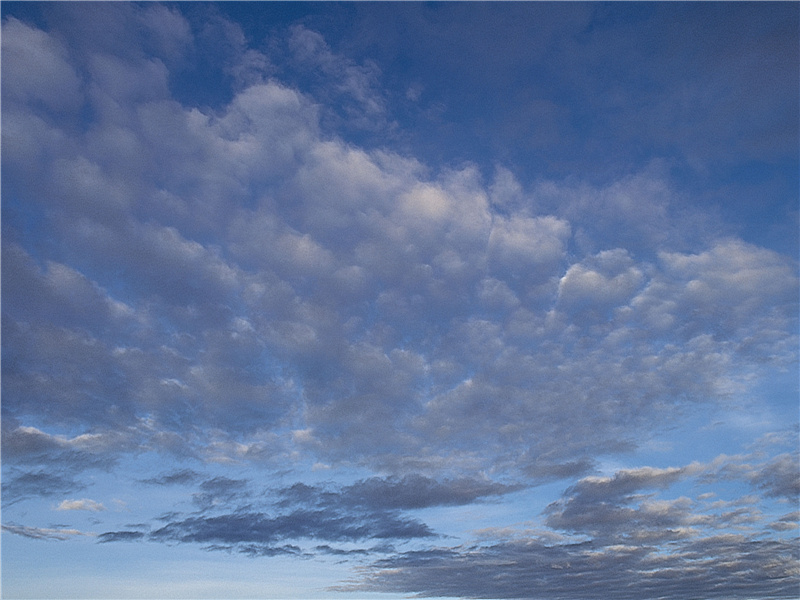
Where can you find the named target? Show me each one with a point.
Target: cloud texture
(244, 284)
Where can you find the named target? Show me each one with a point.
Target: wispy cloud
(83, 504)
(43, 533)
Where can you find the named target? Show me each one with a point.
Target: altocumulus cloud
(237, 285)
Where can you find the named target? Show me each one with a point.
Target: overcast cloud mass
(388, 300)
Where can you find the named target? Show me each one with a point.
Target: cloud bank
(241, 283)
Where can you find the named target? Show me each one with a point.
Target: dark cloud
(177, 477)
(21, 485)
(397, 493)
(717, 567)
(779, 477)
(220, 491)
(259, 528)
(120, 536)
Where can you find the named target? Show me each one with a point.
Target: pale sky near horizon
(390, 300)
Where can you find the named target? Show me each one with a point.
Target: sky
(394, 300)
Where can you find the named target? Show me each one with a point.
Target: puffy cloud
(248, 260)
(37, 69)
(236, 282)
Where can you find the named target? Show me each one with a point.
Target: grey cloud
(716, 567)
(779, 477)
(220, 491)
(178, 477)
(42, 533)
(395, 493)
(31, 446)
(416, 491)
(37, 70)
(248, 527)
(20, 485)
(249, 272)
(608, 507)
(120, 536)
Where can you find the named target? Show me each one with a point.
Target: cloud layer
(240, 282)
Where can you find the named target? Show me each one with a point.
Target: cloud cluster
(610, 536)
(232, 515)
(724, 566)
(239, 282)
(243, 272)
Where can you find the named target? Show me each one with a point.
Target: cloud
(39, 533)
(608, 538)
(178, 477)
(119, 536)
(778, 478)
(37, 69)
(249, 272)
(83, 504)
(393, 493)
(715, 567)
(608, 507)
(367, 509)
(241, 529)
(339, 81)
(37, 483)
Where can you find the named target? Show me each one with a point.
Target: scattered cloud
(726, 566)
(297, 266)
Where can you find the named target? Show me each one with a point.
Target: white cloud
(83, 504)
(550, 324)
(36, 69)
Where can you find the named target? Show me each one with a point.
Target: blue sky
(442, 300)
